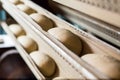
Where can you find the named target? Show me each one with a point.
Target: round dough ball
(16, 2)
(44, 62)
(17, 30)
(42, 20)
(26, 9)
(70, 40)
(28, 44)
(105, 64)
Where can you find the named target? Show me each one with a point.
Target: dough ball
(28, 44)
(105, 64)
(17, 30)
(16, 2)
(44, 62)
(42, 20)
(70, 40)
(26, 9)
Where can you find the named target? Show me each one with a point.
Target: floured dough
(105, 64)
(42, 20)
(28, 44)
(70, 40)
(44, 62)
(17, 30)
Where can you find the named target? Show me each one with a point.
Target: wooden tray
(90, 43)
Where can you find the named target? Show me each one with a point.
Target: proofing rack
(100, 17)
(84, 70)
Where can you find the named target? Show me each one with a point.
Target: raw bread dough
(105, 64)
(28, 44)
(17, 30)
(42, 20)
(44, 62)
(26, 9)
(70, 40)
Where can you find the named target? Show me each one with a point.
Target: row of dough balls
(70, 40)
(45, 63)
(40, 19)
(28, 43)
(99, 61)
(23, 7)
(73, 43)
